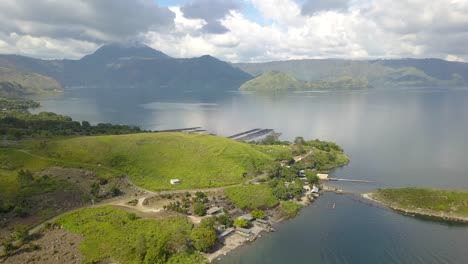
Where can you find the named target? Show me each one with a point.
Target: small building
(307, 188)
(315, 189)
(214, 210)
(244, 232)
(322, 176)
(226, 233)
(247, 217)
(175, 181)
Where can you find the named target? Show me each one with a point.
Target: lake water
(395, 138)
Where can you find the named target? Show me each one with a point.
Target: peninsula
(118, 193)
(448, 205)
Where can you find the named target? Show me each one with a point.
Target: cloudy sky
(239, 30)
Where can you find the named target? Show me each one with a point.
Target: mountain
(136, 66)
(16, 83)
(378, 73)
(276, 81)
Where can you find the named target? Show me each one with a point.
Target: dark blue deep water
(395, 138)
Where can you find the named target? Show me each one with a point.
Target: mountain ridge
(116, 65)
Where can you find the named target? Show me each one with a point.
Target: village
(234, 226)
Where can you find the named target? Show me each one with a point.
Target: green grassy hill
(273, 82)
(151, 160)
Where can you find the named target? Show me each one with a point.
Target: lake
(395, 138)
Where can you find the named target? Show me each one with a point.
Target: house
(322, 176)
(226, 233)
(247, 217)
(307, 188)
(244, 232)
(315, 189)
(175, 181)
(214, 210)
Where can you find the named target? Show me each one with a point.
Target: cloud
(355, 29)
(88, 20)
(211, 11)
(313, 6)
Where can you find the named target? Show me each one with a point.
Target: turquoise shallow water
(395, 138)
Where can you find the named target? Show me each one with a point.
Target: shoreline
(237, 241)
(418, 212)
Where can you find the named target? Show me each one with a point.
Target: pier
(188, 129)
(243, 133)
(256, 134)
(348, 180)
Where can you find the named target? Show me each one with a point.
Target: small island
(449, 205)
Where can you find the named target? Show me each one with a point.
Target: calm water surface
(396, 138)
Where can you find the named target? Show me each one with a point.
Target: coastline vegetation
(290, 208)
(450, 204)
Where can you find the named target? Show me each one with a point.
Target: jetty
(348, 180)
(243, 133)
(250, 136)
(188, 129)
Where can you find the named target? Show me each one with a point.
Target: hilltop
(151, 160)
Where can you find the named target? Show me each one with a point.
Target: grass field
(152, 159)
(111, 233)
(447, 201)
(252, 196)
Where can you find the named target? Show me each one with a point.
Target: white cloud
(357, 29)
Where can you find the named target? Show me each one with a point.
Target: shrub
(114, 191)
(21, 233)
(224, 219)
(199, 209)
(241, 222)
(257, 214)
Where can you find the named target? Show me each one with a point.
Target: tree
(312, 177)
(258, 214)
(203, 238)
(299, 141)
(199, 209)
(241, 222)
